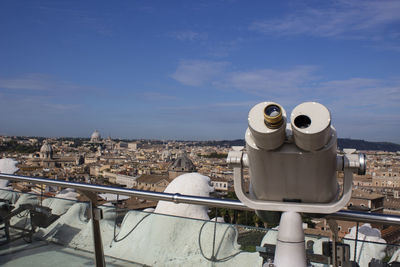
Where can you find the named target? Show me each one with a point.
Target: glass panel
(163, 240)
(39, 228)
(63, 236)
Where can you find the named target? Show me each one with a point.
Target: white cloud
(224, 48)
(156, 96)
(362, 92)
(197, 73)
(32, 81)
(274, 82)
(348, 19)
(258, 82)
(62, 107)
(360, 106)
(67, 13)
(37, 82)
(294, 84)
(189, 36)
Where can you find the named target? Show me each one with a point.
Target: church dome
(166, 155)
(95, 137)
(183, 163)
(46, 151)
(46, 148)
(95, 134)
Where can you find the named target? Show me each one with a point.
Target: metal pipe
(357, 216)
(355, 243)
(177, 198)
(344, 215)
(96, 216)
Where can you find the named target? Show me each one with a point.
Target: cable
(215, 233)
(25, 224)
(213, 257)
(115, 219)
(19, 215)
(115, 226)
(144, 217)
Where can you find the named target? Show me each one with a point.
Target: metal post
(96, 215)
(355, 243)
(41, 195)
(334, 234)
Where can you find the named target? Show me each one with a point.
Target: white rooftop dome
(95, 134)
(95, 137)
(46, 147)
(46, 151)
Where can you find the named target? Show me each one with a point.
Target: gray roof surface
(182, 163)
(44, 254)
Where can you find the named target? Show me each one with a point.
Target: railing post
(334, 235)
(355, 243)
(96, 216)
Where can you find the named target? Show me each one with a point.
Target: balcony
(45, 231)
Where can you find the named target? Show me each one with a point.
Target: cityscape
(153, 164)
(200, 133)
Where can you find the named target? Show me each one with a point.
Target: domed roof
(183, 163)
(95, 135)
(181, 153)
(166, 153)
(46, 147)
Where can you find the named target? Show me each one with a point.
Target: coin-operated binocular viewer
(293, 168)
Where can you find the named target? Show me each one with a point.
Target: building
(95, 137)
(46, 151)
(220, 184)
(156, 183)
(371, 202)
(132, 146)
(181, 165)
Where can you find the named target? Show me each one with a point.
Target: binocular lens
(272, 110)
(273, 116)
(302, 121)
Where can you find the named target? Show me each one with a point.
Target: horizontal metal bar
(177, 198)
(345, 215)
(358, 216)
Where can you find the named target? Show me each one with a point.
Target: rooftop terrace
(87, 234)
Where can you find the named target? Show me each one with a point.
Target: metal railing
(345, 215)
(91, 190)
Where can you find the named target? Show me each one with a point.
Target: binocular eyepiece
(310, 124)
(292, 162)
(273, 116)
(293, 166)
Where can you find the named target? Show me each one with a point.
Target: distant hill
(366, 145)
(342, 143)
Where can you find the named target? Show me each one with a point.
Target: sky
(192, 70)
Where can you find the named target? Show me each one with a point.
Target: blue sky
(193, 69)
